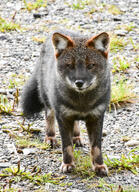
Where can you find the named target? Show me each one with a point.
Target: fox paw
(77, 141)
(101, 170)
(67, 168)
(51, 141)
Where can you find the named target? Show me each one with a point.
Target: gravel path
(18, 54)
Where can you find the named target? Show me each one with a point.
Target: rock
(28, 151)
(11, 148)
(105, 133)
(37, 15)
(121, 33)
(5, 165)
(3, 37)
(112, 157)
(117, 19)
(51, 187)
(132, 143)
(26, 58)
(112, 145)
(3, 91)
(136, 137)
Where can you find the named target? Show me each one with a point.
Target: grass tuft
(134, 44)
(126, 162)
(79, 4)
(15, 80)
(113, 9)
(8, 25)
(120, 64)
(122, 92)
(36, 5)
(24, 142)
(83, 165)
(5, 106)
(117, 43)
(39, 39)
(16, 174)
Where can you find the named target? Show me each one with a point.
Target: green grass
(35, 176)
(114, 10)
(35, 5)
(11, 189)
(16, 174)
(5, 105)
(104, 186)
(128, 27)
(83, 170)
(15, 80)
(126, 162)
(39, 39)
(122, 92)
(134, 44)
(27, 142)
(136, 59)
(83, 165)
(8, 25)
(120, 64)
(79, 4)
(117, 43)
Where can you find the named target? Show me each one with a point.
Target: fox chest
(82, 114)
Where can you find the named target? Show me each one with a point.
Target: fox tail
(30, 100)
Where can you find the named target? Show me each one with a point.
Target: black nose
(79, 83)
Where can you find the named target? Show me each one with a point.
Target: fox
(71, 82)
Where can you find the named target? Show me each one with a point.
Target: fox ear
(100, 42)
(61, 42)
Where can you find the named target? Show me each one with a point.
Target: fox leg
(50, 128)
(66, 132)
(76, 135)
(94, 128)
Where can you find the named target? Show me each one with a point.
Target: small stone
(26, 58)
(136, 137)
(3, 91)
(28, 151)
(3, 37)
(112, 157)
(132, 143)
(11, 148)
(117, 19)
(5, 165)
(105, 133)
(37, 15)
(50, 187)
(121, 33)
(112, 146)
(125, 138)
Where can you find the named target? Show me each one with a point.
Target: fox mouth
(82, 89)
(85, 86)
(92, 85)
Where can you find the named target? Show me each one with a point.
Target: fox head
(81, 61)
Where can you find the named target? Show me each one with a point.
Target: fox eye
(90, 66)
(70, 65)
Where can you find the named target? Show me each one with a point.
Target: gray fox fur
(71, 82)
